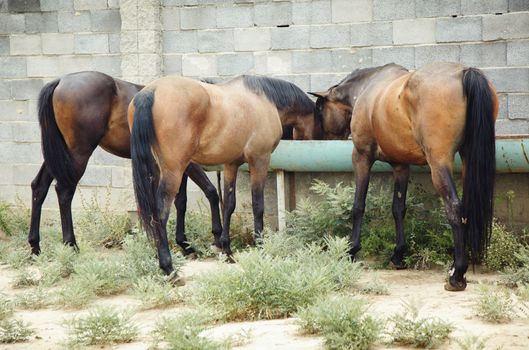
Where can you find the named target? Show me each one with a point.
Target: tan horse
(175, 121)
(423, 117)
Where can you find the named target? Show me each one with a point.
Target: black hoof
(174, 279)
(188, 251)
(397, 264)
(455, 286)
(35, 251)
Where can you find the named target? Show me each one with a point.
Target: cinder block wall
(311, 43)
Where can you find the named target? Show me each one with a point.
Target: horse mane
(283, 94)
(359, 74)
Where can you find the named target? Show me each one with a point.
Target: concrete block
(4, 45)
(12, 67)
(234, 16)
(198, 17)
(478, 7)
(405, 56)
(198, 65)
(437, 8)
(235, 63)
(300, 80)
(105, 21)
(80, 5)
(11, 110)
(74, 21)
(5, 89)
(26, 89)
(149, 41)
(121, 177)
(217, 40)
(129, 66)
(252, 39)
(506, 127)
(503, 111)
(518, 5)
(484, 55)
(70, 64)
(20, 153)
(518, 53)
(458, 29)
(323, 81)
(429, 54)
(43, 22)
(311, 61)
(346, 60)
(6, 177)
(102, 157)
(91, 43)
(414, 31)
(113, 4)
(109, 64)
(128, 42)
(11, 23)
(26, 132)
(25, 173)
(180, 42)
(272, 14)
(518, 106)
(371, 34)
(3, 6)
(56, 5)
(129, 15)
(57, 43)
(24, 6)
(23, 44)
(507, 26)
(150, 64)
(276, 62)
(114, 43)
(6, 132)
(334, 35)
(314, 12)
(387, 10)
(172, 64)
(297, 37)
(149, 18)
(351, 11)
(97, 176)
(170, 18)
(509, 79)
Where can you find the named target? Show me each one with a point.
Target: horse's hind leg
(230, 178)
(181, 206)
(362, 163)
(258, 172)
(444, 184)
(401, 174)
(199, 177)
(39, 188)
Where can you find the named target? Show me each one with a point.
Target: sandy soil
(283, 334)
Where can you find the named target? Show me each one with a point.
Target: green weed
(154, 293)
(14, 331)
(471, 342)
(519, 275)
(14, 220)
(342, 321)
(500, 251)
(6, 307)
(494, 304)
(34, 299)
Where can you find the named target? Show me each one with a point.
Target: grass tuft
(342, 321)
(471, 342)
(494, 304)
(6, 307)
(409, 329)
(14, 331)
(104, 325)
(155, 293)
(34, 299)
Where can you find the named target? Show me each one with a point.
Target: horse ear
(323, 94)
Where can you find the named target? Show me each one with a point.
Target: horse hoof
(400, 265)
(175, 280)
(230, 260)
(35, 251)
(455, 286)
(191, 256)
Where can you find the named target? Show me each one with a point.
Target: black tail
(56, 155)
(479, 153)
(145, 171)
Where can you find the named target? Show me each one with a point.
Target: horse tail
(479, 152)
(145, 170)
(58, 159)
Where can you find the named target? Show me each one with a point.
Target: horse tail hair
(479, 152)
(145, 170)
(58, 159)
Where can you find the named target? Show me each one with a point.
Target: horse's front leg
(444, 184)
(362, 163)
(401, 175)
(258, 171)
(39, 188)
(230, 177)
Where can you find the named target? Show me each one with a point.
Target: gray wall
(312, 43)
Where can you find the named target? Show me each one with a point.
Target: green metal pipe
(512, 156)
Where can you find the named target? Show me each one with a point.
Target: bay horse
(423, 117)
(77, 113)
(176, 120)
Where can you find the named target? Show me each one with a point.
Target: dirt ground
(426, 286)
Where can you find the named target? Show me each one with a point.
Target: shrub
(6, 307)
(409, 329)
(265, 285)
(342, 321)
(471, 342)
(104, 325)
(37, 298)
(14, 220)
(375, 286)
(500, 251)
(14, 331)
(519, 275)
(154, 293)
(494, 304)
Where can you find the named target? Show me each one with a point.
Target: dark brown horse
(77, 113)
(175, 121)
(423, 117)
